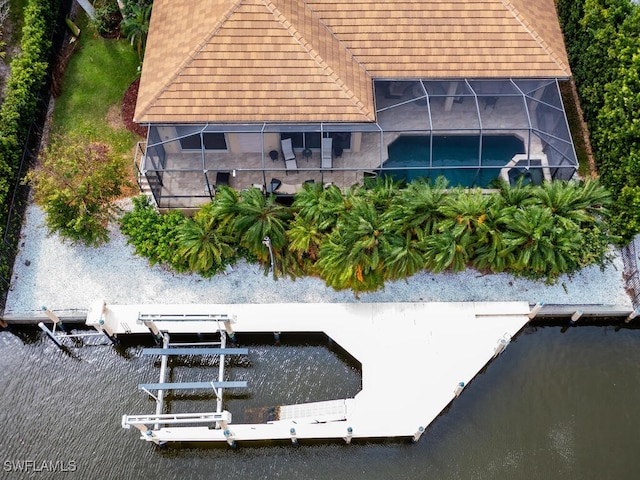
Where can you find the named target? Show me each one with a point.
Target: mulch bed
(128, 107)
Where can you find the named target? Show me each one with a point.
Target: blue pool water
(409, 155)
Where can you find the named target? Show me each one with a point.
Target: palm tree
(305, 239)
(446, 250)
(464, 211)
(258, 217)
(405, 256)
(379, 191)
(573, 202)
(540, 242)
(205, 248)
(223, 210)
(352, 256)
(135, 25)
(415, 208)
(490, 250)
(517, 195)
(320, 206)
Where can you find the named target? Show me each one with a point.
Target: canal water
(559, 403)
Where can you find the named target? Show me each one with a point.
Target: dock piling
(575, 317)
(632, 315)
(229, 330)
(347, 439)
(54, 318)
(229, 436)
(155, 331)
(502, 344)
(458, 390)
(534, 311)
(107, 332)
(418, 434)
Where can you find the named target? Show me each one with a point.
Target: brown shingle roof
(314, 60)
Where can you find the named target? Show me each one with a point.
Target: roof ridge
(317, 57)
(185, 63)
(536, 36)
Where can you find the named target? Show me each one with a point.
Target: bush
(107, 19)
(77, 183)
(603, 41)
(154, 235)
(19, 109)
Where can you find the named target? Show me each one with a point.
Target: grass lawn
(95, 81)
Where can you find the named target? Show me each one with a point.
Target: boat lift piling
(163, 373)
(51, 335)
(223, 344)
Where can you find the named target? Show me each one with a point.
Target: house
(466, 89)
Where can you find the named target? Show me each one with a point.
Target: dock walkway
(440, 345)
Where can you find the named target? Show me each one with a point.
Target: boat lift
(59, 333)
(220, 419)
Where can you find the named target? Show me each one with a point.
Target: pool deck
(413, 357)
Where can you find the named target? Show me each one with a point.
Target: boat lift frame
(220, 419)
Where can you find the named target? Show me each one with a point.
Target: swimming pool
(409, 155)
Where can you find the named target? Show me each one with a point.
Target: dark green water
(558, 404)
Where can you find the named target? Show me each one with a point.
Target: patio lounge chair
(327, 155)
(289, 157)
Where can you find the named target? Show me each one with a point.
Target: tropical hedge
(603, 43)
(28, 75)
(359, 239)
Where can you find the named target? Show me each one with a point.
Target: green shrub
(18, 111)
(107, 18)
(154, 235)
(77, 183)
(603, 41)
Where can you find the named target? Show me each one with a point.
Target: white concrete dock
(413, 357)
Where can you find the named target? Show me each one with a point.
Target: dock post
(229, 330)
(54, 318)
(632, 315)
(143, 428)
(502, 344)
(575, 317)
(51, 335)
(458, 389)
(154, 330)
(107, 332)
(229, 436)
(294, 439)
(349, 435)
(534, 311)
(418, 434)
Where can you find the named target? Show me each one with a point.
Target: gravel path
(62, 277)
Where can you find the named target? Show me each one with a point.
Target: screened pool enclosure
(470, 131)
